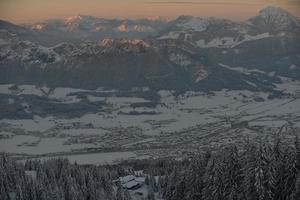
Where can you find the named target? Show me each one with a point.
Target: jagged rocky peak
(107, 42)
(273, 11)
(74, 22)
(77, 18)
(124, 45)
(159, 18)
(73, 19)
(275, 19)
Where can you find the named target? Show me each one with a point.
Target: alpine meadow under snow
(119, 109)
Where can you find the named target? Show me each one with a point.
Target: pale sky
(21, 11)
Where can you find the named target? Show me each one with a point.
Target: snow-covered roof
(140, 179)
(131, 184)
(131, 181)
(126, 179)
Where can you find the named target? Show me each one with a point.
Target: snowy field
(127, 128)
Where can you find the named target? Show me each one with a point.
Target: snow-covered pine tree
(296, 191)
(120, 192)
(233, 174)
(248, 170)
(261, 173)
(171, 184)
(276, 170)
(208, 180)
(194, 177)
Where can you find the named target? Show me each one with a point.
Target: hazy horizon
(24, 11)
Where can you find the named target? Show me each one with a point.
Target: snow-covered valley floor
(127, 126)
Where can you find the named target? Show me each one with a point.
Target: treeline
(257, 172)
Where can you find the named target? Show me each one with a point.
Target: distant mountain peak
(80, 17)
(275, 19)
(275, 12)
(159, 18)
(75, 23)
(10, 27)
(72, 19)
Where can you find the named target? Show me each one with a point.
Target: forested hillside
(262, 172)
(265, 171)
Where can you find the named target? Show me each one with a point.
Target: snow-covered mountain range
(81, 27)
(184, 53)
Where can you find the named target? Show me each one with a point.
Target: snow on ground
(242, 70)
(63, 94)
(173, 115)
(21, 89)
(120, 101)
(83, 132)
(229, 42)
(289, 86)
(92, 98)
(141, 141)
(14, 145)
(171, 35)
(225, 42)
(196, 24)
(186, 111)
(35, 124)
(32, 145)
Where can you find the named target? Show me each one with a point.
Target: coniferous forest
(257, 171)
